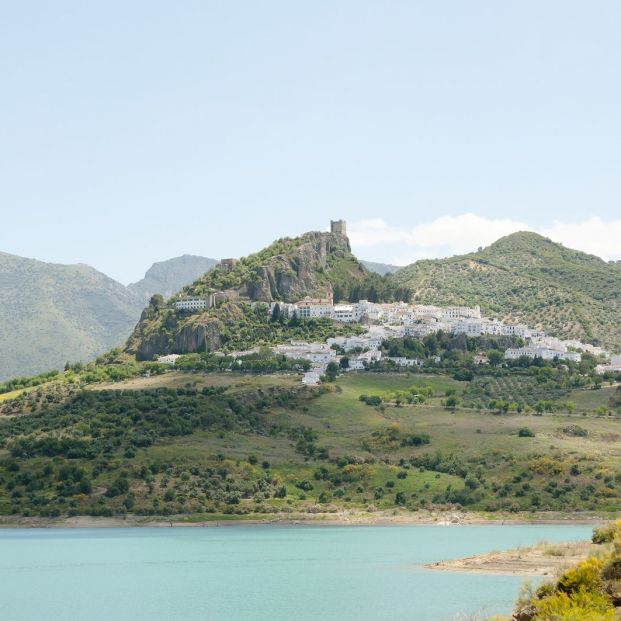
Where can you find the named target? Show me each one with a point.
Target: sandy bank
(544, 559)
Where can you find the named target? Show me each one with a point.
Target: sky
(132, 132)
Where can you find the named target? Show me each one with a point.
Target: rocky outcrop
(304, 271)
(168, 333)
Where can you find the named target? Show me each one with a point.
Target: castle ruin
(339, 227)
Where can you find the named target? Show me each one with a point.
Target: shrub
(606, 534)
(584, 605)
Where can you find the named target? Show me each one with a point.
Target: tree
(344, 362)
(451, 402)
(400, 499)
(157, 301)
(495, 357)
(331, 371)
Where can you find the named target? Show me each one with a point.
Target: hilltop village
(391, 321)
(397, 320)
(382, 322)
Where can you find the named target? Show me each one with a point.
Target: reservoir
(258, 573)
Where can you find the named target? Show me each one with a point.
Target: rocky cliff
(287, 270)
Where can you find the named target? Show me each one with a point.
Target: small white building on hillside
(169, 359)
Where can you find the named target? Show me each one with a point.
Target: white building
(169, 359)
(314, 307)
(519, 330)
(457, 312)
(421, 330)
(345, 313)
(401, 361)
(190, 304)
(349, 343)
(614, 366)
(311, 378)
(469, 327)
(316, 353)
(541, 352)
(361, 361)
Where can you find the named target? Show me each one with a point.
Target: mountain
(315, 264)
(526, 277)
(380, 268)
(166, 277)
(51, 314)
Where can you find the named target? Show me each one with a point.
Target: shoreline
(542, 559)
(305, 519)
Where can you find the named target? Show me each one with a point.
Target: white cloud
(593, 235)
(449, 235)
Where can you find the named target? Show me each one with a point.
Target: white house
(169, 359)
(402, 361)
(541, 352)
(469, 327)
(345, 313)
(317, 353)
(319, 307)
(190, 304)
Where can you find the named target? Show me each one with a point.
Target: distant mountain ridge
(529, 278)
(167, 277)
(52, 313)
(381, 268)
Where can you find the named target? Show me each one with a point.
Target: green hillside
(205, 445)
(51, 314)
(526, 277)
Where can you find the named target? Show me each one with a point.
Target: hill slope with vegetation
(51, 313)
(528, 278)
(124, 437)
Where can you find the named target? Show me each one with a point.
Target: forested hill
(52, 313)
(288, 270)
(527, 277)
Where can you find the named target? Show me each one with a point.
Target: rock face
(289, 277)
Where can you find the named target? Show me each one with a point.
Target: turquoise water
(239, 573)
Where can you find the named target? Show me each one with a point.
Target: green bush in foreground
(585, 592)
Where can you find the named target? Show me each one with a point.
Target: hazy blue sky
(135, 131)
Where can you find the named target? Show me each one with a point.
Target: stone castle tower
(339, 227)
